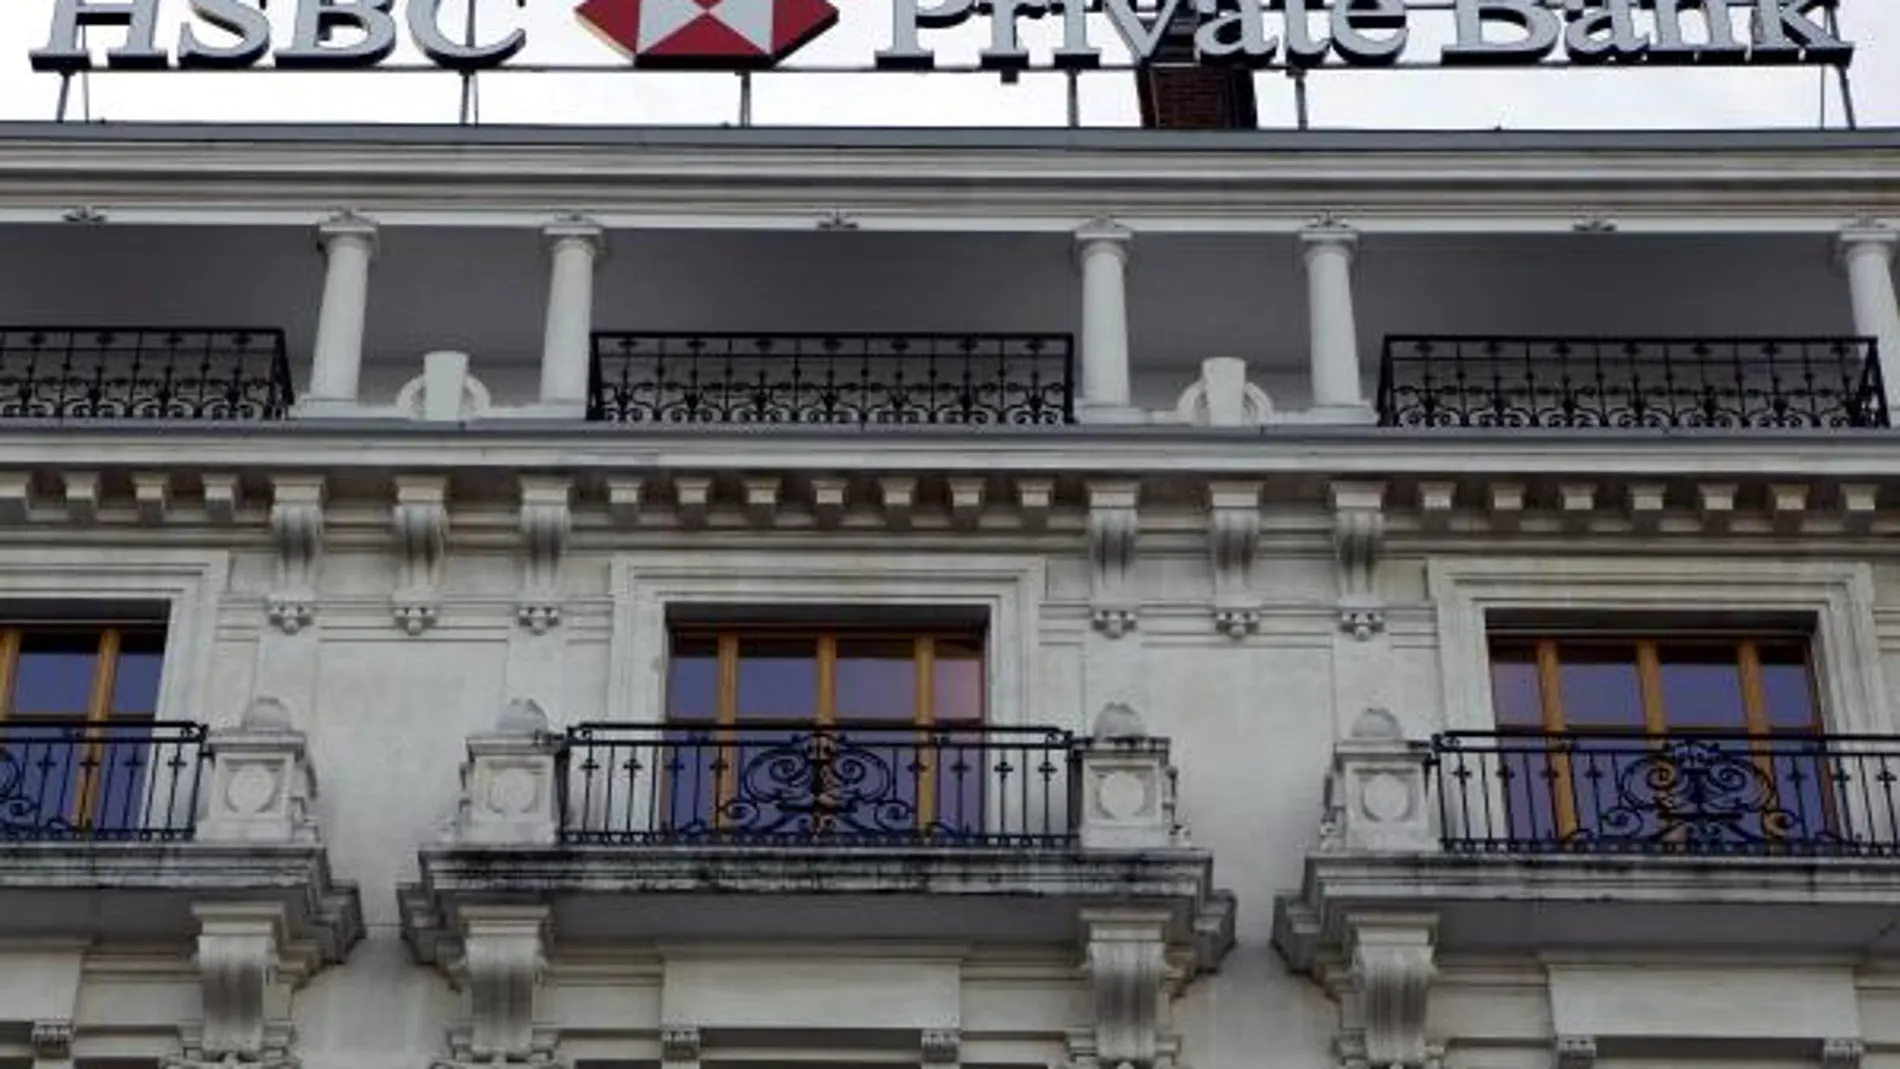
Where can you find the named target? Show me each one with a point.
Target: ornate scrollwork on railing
(1776, 795)
(134, 373)
(846, 784)
(70, 779)
(1497, 382)
(833, 379)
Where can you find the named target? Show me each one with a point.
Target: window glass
(135, 680)
(692, 678)
(778, 679)
(1702, 687)
(1515, 692)
(54, 674)
(1600, 686)
(876, 679)
(959, 683)
(1787, 688)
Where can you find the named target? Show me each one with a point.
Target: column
(1333, 333)
(1102, 249)
(575, 244)
(349, 245)
(1867, 253)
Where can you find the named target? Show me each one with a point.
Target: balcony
(1533, 842)
(1611, 383)
(833, 379)
(671, 836)
(133, 830)
(125, 373)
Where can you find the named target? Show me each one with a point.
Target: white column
(1102, 249)
(1332, 331)
(349, 245)
(574, 245)
(1867, 253)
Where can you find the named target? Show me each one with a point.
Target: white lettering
(1539, 29)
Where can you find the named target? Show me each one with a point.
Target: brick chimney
(1177, 94)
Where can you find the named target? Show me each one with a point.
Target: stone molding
(1113, 526)
(421, 521)
(1233, 540)
(1358, 539)
(546, 524)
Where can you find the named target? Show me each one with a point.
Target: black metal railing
(1631, 382)
(143, 373)
(834, 379)
(1708, 794)
(845, 784)
(71, 779)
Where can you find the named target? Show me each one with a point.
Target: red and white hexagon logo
(711, 34)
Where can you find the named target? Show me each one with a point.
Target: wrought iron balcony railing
(1501, 382)
(833, 379)
(160, 373)
(1693, 794)
(778, 784)
(72, 779)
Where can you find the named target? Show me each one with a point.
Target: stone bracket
(1842, 1053)
(940, 1047)
(1233, 541)
(680, 1047)
(1113, 526)
(1386, 991)
(52, 1040)
(546, 524)
(1358, 539)
(296, 525)
(1127, 968)
(421, 522)
(1574, 1052)
(244, 970)
(502, 963)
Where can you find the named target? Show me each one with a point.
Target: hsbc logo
(719, 34)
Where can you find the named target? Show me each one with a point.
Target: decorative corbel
(1113, 526)
(680, 1047)
(1575, 1052)
(899, 494)
(693, 493)
(1035, 498)
(1842, 1053)
(626, 496)
(941, 1046)
(296, 525)
(1860, 504)
(829, 495)
(241, 972)
(152, 494)
(421, 520)
(1233, 539)
(52, 1040)
(1388, 990)
(1358, 538)
(1647, 504)
(16, 497)
(546, 521)
(1716, 503)
(82, 496)
(502, 964)
(1128, 970)
(762, 498)
(220, 497)
(966, 502)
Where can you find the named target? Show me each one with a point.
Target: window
(77, 704)
(1690, 743)
(786, 731)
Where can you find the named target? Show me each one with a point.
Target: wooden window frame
(107, 653)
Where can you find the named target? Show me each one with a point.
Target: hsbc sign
(760, 34)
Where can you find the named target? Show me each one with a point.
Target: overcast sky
(1610, 98)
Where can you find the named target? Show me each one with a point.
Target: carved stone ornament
(1233, 539)
(296, 525)
(1575, 1052)
(679, 1046)
(1390, 983)
(1128, 970)
(421, 522)
(502, 964)
(1113, 524)
(1842, 1053)
(240, 971)
(941, 1046)
(53, 1040)
(1358, 537)
(546, 522)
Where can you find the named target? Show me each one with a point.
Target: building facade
(1040, 599)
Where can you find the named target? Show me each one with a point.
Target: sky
(1621, 98)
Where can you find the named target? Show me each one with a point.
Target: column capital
(579, 228)
(346, 225)
(1866, 235)
(1329, 233)
(1103, 234)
